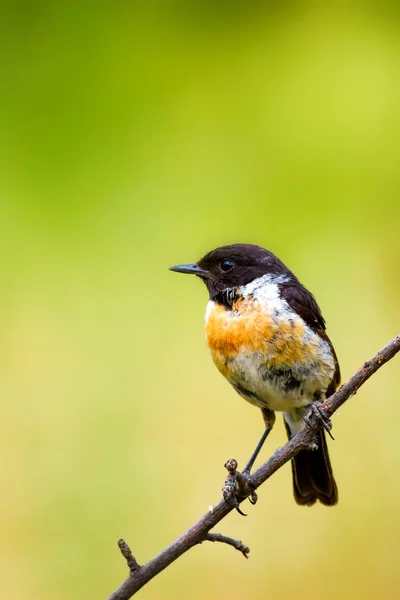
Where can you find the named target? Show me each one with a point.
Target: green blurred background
(139, 135)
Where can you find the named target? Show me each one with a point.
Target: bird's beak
(191, 269)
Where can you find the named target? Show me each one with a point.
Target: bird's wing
(304, 304)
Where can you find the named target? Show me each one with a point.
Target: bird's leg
(256, 452)
(269, 420)
(239, 484)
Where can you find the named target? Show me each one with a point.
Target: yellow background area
(134, 136)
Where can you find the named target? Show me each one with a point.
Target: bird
(267, 336)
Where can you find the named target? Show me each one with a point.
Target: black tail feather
(312, 474)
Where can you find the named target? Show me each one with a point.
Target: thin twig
(199, 531)
(238, 544)
(127, 554)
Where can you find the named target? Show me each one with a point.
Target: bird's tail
(312, 474)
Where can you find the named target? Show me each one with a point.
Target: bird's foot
(249, 484)
(319, 413)
(313, 445)
(237, 486)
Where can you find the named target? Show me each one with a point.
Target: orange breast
(250, 327)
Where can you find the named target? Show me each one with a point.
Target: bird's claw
(318, 412)
(313, 446)
(249, 484)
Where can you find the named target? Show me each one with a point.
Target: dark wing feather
(304, 304)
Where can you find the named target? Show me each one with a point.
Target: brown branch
(218, 537)
(199, 532)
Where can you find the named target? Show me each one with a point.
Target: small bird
(266, 335)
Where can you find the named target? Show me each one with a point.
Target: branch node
(238, 544)
(127, 554)
(231, 465)
(237, 486)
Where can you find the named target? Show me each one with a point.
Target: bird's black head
(233, 266)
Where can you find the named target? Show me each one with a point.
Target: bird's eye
(227, 265)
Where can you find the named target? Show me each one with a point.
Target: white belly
(277, 389)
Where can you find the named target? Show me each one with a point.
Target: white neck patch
(264, 289)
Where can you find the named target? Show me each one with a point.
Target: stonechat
(266, 335)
